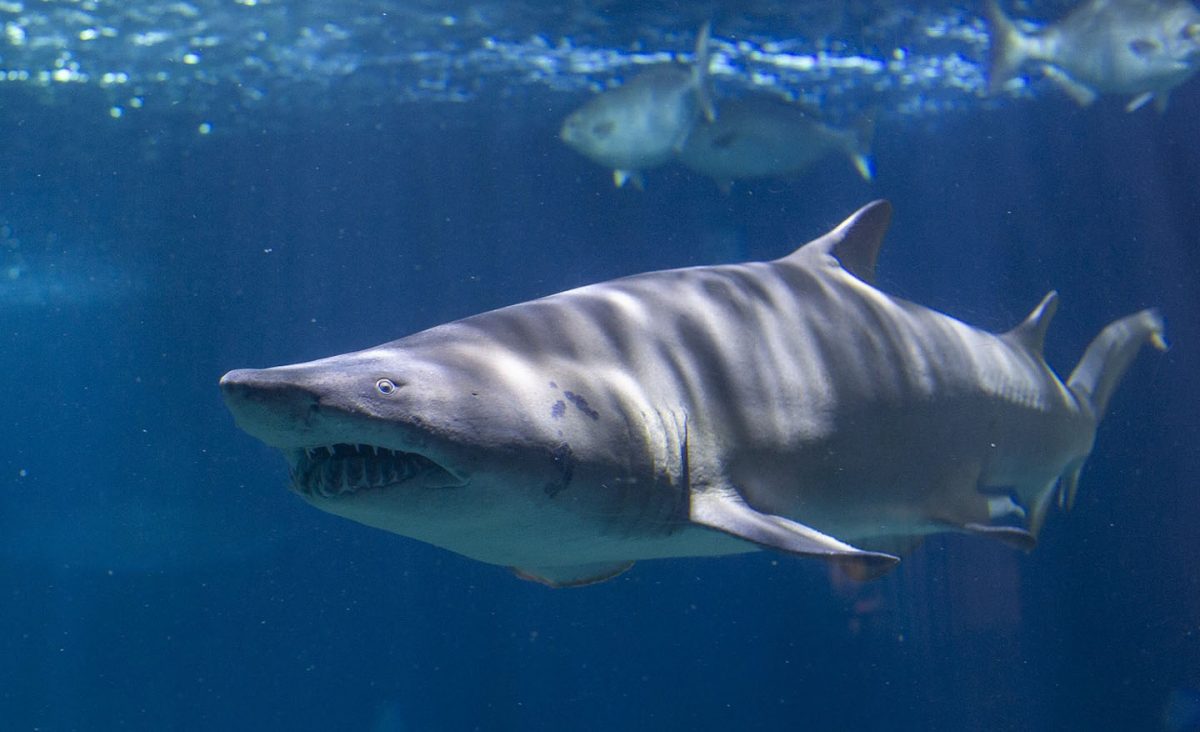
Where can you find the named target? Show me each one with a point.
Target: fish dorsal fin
(1031, 333)
(856, 241)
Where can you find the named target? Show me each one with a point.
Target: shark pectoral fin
(1082, 94)
(726, 511)
(1011, 535)
(572, 575)
(900, 546)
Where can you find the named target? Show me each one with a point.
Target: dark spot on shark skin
(581, 404)
(553, 385)
(559, 409)
(564, 460)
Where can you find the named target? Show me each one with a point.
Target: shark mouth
(330, 471)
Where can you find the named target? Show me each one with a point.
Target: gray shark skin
(643, 123)
(1143, 48)
(762, 137)
(696, 412)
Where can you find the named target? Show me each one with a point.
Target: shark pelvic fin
(724, 510)
(1012, 535)
(856, 241)
(572, 576)
(1031, 333)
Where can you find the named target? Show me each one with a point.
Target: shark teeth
(330, 471)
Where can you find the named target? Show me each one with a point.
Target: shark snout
(267, 404)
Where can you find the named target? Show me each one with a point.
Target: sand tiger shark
(788, 405)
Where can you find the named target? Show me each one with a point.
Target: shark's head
(440, 437)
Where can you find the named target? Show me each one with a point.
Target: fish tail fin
(862, 134)
(1109, 355)
(700, 75)
(1008, 48)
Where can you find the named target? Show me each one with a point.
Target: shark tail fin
(1094, 380)
(700, 75)
(1008, 48)
(1109, 355)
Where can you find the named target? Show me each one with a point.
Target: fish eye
(1144, 46)
(385, 386)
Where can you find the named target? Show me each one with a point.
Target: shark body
(702, 411)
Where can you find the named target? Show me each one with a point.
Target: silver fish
(1143, 48)
(764, 137)
(643, 123)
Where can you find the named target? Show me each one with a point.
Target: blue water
(386, 171)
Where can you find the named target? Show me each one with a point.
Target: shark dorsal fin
(856, 241)
(1031, 333)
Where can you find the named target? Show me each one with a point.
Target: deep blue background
(228, 603)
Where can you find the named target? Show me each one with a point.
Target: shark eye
(385, 386)
(1191, 30)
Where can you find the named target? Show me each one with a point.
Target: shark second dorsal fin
(856, 241)
(1031, 333)
(724, 510)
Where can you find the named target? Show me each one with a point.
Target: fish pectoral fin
(621, 177)
(576, 575)
(1139, 101)
(1012, 535)
(724, 510)
(1081, 93)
